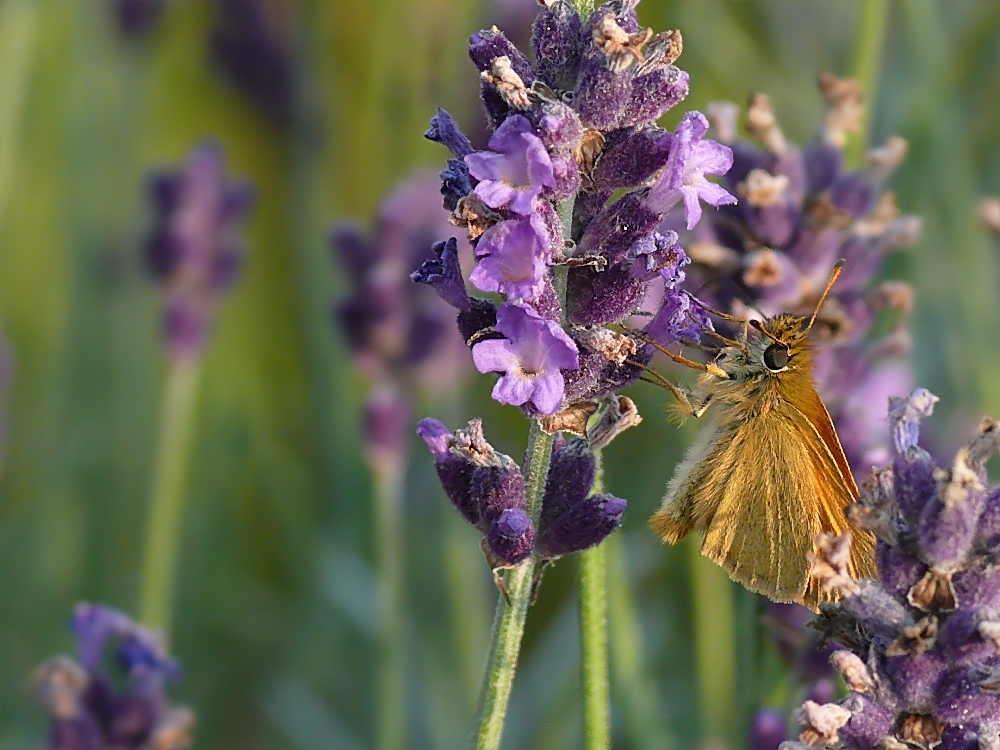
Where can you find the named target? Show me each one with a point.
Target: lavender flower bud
(767, 730)
(193, 251)
(571, 520)
(558, 38)
(255, 53)
(511, 537)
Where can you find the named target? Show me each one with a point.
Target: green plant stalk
(867, 62)
(715, 657)
(391, 710)
(166, 511)
(642, 719)
(594, 639)
(508, 622)
(17, 35)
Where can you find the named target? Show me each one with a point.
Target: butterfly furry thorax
(768, 473)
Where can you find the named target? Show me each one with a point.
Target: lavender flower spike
(683, 179)
(921, 645)
(516, 175)
(91, 709)
(531, 357)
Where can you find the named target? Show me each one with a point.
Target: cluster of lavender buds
(572, 130)
(119, 703)
(251, 43)
(488, 489)
(800, 210)
(399, 334)
(919, 648)
(194, 252)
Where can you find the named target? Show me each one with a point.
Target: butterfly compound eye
(775, 357)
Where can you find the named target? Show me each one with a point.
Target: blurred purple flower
(683, 179)
(137, 17)
(531, 357)
(194, 251)
(90, 709)
(251, 44)
(801, 210)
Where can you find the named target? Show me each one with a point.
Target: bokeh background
(322, 105)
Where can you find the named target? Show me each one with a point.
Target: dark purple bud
(960, 640)
(634, 160)
(618, 227)
(454, 470)
(558, 38)
(946, 533)
(445, 130)
(498, 488)
(597, 376)
(824, 163)
(869, 724)
(444, 274)
(137, 17)
(853, 194)
(767, 730)
(876, 610)
(601, 94)
(978, 585)
(255, 52)
(898, 571)
(571, 475)
(581, 526)
(559, 128)
(963, 697)
(602, 297)
(511, 537)
(455, 183)
(914, 483)
(653, 95)
(78, 733)
(589, 204)
(487, 45)
(915, 677)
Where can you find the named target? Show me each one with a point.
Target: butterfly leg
(686, 402)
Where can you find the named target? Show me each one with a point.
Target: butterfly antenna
(758, 326)
(838, 267)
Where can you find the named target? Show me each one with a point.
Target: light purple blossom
(517, 173)
(513, 257)
(692, 156)
(531, 357)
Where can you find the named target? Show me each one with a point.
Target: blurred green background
(276, 615)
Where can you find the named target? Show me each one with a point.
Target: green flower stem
(594, 640)
(640, 714)
(715, 657)
(867, 62)
(508, 622)
(163, 525)
(388, 498)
